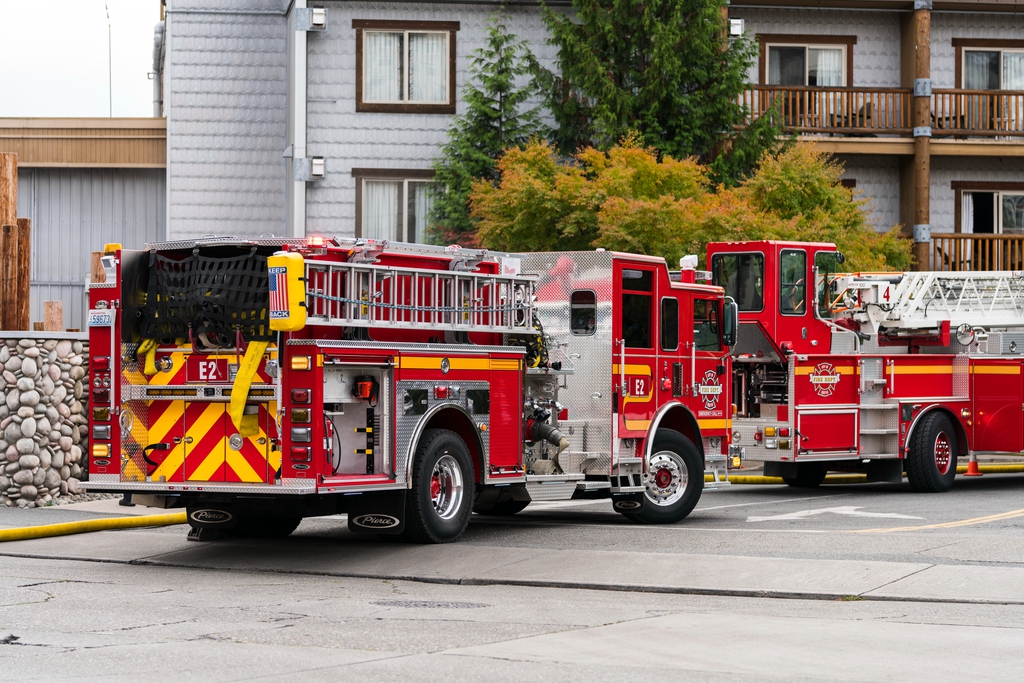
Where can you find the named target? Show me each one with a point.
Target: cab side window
(705, 325)
(793, 282)
(742, 276)
(669, 324)
(636, 308)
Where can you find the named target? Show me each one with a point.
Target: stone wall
(43, 420)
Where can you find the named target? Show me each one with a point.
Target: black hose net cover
(216, 296)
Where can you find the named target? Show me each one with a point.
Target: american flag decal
(279, 292)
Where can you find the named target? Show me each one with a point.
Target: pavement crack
(896, 580)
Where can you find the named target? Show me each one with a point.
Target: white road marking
(771, 502)
(844, 510)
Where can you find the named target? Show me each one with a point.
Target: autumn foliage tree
(627, 199)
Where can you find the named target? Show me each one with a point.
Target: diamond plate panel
(588, 399)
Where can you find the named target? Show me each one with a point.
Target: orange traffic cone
(972, 467)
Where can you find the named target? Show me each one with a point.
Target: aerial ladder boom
(893, 302)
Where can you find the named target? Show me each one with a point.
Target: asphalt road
(893, 586)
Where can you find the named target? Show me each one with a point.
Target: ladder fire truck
(257, 382)
(882, 373)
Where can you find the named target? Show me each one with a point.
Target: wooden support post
(922, 135)
(96, 272)
(8, 237)
(8, 276)
(53, 316)
(24, 270)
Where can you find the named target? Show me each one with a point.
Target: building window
(805, 65)
(989, 64)
(806, 60)
(405, 66)
(393, 205)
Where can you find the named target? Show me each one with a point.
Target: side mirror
(840, 257)
(730, 322)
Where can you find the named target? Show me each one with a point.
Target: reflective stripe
(995, 369)
(919, 369)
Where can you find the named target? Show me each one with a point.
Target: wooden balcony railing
(874, 111)
(978, 112)
(977, 252)
(856, 111)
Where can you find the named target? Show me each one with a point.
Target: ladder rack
(923, 300)
(368, 295)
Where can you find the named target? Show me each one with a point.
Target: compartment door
(248, 459)
(206, 441)
(998, 398)
(831, 431)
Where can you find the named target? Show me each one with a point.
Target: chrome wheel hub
(666, 478)
(943, 453)
(446, 487)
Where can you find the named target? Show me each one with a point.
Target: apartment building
(922, 101)
(285, 119)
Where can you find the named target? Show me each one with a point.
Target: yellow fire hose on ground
(67, 528)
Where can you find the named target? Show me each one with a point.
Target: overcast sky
(53, 57)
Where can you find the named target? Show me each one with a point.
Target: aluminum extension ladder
(923, 300)
(355, 294)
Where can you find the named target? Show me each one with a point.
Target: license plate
(101, 318)
(207, 370)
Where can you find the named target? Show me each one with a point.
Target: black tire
(661, 507)
(809, 475)
(265, 527)
(424, 523)
(505, 508)
(931, 461)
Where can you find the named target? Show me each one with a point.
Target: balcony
(977, 252)
(956, 113)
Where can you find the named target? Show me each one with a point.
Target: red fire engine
(257, 382)
(879, 373)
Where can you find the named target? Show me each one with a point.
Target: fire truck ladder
(924, 300)
(353, 294)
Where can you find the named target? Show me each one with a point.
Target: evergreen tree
(664, 68)
(498, 117)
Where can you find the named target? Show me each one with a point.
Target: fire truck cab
(870, 372)
(257, 382)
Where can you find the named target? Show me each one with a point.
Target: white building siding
(947, 26)
(347, 139)
(878, 184)
(876, 56)
(226, 110)
(75, 212)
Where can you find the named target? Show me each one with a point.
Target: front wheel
(931, 462)
(674, 479)
(438, 506)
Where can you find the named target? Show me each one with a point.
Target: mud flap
(381, 512)
(628, 503)
(221, 518)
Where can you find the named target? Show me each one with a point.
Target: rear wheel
(505, 508)
(931, 462)
(265, 527)
(674, 479)
(438, 506)
(809, 475)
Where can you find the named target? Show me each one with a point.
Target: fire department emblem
(824, 379)
(709, 389)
